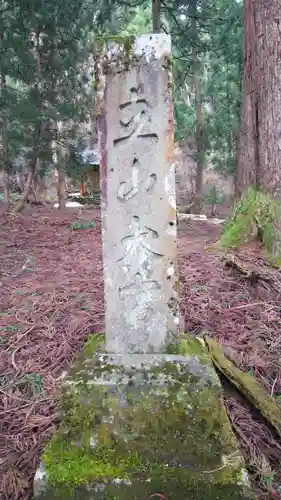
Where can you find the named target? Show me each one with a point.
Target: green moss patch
(256, 215)
(187, 345)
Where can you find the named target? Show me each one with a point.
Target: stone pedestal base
(139, 425)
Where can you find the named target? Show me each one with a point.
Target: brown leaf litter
(52, 299)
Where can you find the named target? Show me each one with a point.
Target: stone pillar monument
(138, 201)
(143, 412)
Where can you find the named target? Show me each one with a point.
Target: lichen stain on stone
(172, 214)
(169, 147)
(177, 286)
(94, 341)
(103, 177)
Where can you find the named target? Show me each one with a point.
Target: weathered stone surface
(137, 425)
(138, 201)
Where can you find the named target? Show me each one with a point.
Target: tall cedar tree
(47, 43)
(259, 152)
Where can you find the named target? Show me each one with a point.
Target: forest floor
(51, 291)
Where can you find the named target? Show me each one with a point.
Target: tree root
(253, 274)
(247, 385)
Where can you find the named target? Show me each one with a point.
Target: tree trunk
(59, 162)
(198, 115)
(199, 150)
(156, 18)
(39, 189)
(21, 203)
(4, 128)
(37, 131)
(259, 150)
(61, 188)
(6, 190)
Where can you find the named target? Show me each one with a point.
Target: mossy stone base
(142, 424)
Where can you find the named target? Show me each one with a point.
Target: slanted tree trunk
(259, 148)
(37, 135)
(21, 203)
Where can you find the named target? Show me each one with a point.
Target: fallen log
(247, 385)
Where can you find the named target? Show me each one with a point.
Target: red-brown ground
(51, 291)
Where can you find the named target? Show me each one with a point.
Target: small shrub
(3, 341)
(11, 328)
(32, 382)
(87, 200)
(83, 225)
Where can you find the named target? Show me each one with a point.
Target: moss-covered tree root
(247, 385)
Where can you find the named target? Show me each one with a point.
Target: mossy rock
(135, 425)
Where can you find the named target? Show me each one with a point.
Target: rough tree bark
(198, 114)
(259, 150)
(61, 188)
(37, 137)
(4, 127)
(199, 148)
(39, 188)
(156, 18)
(6, 189)
(21, 203)
(60, 166)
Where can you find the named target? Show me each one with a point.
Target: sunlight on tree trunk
(259, 151)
